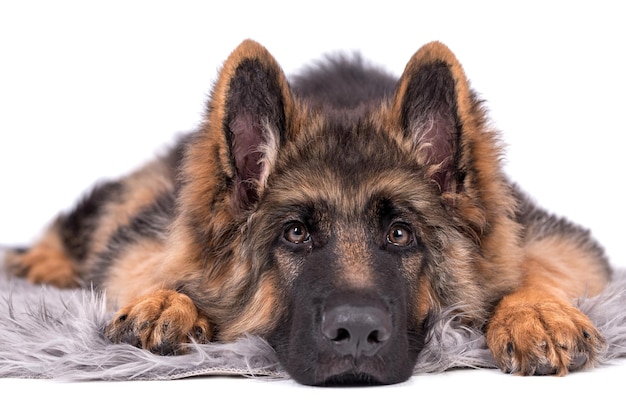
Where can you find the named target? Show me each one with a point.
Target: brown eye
(399, 235)
(297, 233)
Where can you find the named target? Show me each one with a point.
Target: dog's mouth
(346, 370)
(352, 379)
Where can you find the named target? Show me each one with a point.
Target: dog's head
(342, 230)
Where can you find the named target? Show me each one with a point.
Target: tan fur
(134, 273)
(259, 316)
(141, 189)
(566, 271)
(426, 303)
(45, 263)
(354, 269)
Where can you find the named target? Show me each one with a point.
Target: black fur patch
(76, 228)
(343, 81)
(151, 223)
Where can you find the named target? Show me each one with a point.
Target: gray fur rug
(50, 333)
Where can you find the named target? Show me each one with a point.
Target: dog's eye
(297, 233)
(399, 235)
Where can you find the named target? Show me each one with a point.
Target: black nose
(356, 330)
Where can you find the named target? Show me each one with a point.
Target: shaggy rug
(50, 333)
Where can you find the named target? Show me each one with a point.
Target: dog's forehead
(345, 144)
(346, 163)
(349, 180)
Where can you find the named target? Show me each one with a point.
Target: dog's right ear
(248, 119)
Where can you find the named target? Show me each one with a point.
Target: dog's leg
(536, 329)
(160, 322)
(46, 262)
(59, 256)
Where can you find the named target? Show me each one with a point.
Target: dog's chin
(344, 372)
(353, 379)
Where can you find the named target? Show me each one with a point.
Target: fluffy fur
(47, 333)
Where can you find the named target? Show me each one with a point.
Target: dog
(335, 215)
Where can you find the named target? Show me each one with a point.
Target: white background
(91, 90)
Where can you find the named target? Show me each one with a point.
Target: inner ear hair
(254, 124)
(435, 140)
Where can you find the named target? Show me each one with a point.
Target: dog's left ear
(445, 124)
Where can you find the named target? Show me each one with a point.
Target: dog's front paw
(547, 337)
(160, 322)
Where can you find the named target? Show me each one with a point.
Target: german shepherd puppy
(335, 216)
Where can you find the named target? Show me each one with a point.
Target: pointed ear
(248, 115)
(430, 98)
(445, 125)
